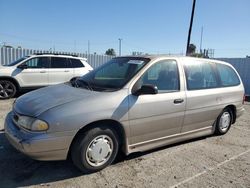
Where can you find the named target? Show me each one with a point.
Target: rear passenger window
(59, 62)
(200, 75)
(227, 75)
(76, 63)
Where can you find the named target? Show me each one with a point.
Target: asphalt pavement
(213, 161)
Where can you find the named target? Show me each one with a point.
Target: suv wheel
(95, 149)
(224, 122)
(7, 89)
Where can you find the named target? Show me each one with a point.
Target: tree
(191, 49)
(110, 51)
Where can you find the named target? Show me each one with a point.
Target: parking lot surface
(214, 161)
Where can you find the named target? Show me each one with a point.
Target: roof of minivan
(155, 57)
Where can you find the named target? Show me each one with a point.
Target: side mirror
(147, 89)
(22, 66)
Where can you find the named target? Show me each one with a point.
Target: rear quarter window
(227, 75)
(76, 63)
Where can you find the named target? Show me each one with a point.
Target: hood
(38, 101)
(6, 67)
(7, 71)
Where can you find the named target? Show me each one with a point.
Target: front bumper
(40, 146)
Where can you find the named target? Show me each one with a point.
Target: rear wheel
(7, 89)
(95, 149)
(224, 122)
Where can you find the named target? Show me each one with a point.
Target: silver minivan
(130, 104)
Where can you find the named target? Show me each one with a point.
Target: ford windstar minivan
(129, 103)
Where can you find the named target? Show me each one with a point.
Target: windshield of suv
(17, 61)
(112, 75)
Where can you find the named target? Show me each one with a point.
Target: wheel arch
(13, 80)
(74, 78)
(113, 124)
(233, 110)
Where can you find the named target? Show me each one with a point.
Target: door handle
(177, 101)
(66, 71)
(42, 71)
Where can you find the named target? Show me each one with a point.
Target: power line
(33, 40)
(120, 46)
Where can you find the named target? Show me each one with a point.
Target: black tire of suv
(81, 143)
(218, 129)
(7, 89)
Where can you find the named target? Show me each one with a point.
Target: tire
(224, 122)
(95, 149)
(7, 89)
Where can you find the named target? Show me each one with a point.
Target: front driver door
(36, 73)
(159, 115)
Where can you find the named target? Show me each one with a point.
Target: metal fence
(242, 65)
(8, 55)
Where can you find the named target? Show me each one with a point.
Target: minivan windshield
(17, 61)
(112, 75)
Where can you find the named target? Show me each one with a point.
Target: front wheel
(95, 149)
(224, 122)
(7, 89)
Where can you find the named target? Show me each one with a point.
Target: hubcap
(225, 121)
(6, 89)
(99, 150)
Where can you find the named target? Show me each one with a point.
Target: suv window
(200, 75)
(76, 63)
(163, 74)
(38, 62)
(227, 75)
(60, 62)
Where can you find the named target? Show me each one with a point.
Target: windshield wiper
(107, 89)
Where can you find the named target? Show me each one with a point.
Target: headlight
(39, 125)
(32, 124)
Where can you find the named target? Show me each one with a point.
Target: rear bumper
(39, 146)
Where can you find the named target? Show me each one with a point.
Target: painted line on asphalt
(209, 169)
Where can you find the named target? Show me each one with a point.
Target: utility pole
(120, 46)
(190, 26)
(88, 47)
(201, 39)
